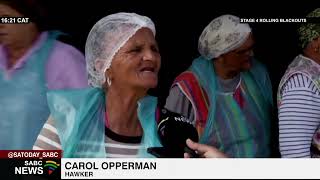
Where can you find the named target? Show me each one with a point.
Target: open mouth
(148, 69)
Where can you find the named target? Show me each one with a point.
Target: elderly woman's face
(240, 58)
(13, 34)
(137, 63)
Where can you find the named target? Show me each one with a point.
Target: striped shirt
(117, 146)
(299, 116)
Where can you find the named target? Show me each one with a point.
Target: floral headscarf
(222, 35)
(309, 31)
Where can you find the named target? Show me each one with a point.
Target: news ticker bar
(25, 20)
(278, 20)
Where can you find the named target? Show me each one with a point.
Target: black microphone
(173, 131)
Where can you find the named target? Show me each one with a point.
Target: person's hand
(204, 150)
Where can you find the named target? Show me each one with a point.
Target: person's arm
(66, 68)
(48, 138)
(177, 102)
(204, 151)
(299, 117)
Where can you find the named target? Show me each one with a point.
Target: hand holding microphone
(203, 150)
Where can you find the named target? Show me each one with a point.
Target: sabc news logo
(37, 168)
(51, 166)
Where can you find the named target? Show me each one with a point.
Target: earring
(108, 81)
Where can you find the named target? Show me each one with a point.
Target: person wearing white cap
(114, 117)
(226, 93)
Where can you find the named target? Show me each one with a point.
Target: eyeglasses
(242, 52)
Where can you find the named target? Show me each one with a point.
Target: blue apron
(23, 103)
(80, 122)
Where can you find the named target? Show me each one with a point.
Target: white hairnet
(222, 35)
(106, 37)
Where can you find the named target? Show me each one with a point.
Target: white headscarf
(105, 39)
(222, 35)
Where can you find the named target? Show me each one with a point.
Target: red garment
(238, 97)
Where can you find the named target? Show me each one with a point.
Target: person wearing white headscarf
(225, 93)
(114, 117)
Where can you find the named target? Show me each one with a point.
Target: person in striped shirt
(299, 97)
(114, 117)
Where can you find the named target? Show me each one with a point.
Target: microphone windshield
(174, 130)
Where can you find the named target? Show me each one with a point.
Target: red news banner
(31, 154)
